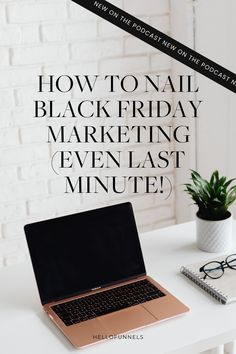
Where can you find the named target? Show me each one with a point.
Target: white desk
(25, 329)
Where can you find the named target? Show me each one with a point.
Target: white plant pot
(214, 236)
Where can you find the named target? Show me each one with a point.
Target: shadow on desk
(188, 247)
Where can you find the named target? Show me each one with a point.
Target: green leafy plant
(212, 197)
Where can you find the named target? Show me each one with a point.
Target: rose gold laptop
(91, 275)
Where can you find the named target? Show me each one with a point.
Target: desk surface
(26, 329)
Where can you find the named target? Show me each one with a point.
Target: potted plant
(213, 219)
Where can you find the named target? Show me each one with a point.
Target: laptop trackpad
(127, 319)
(165, 307)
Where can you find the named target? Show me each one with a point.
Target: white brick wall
(59, 37)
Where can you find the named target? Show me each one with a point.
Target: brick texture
(59, 37)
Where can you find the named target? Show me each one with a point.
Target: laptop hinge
(117, 283)
(98, 287)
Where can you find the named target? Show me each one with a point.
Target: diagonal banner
(161, 42)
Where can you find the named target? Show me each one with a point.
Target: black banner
(161, 41)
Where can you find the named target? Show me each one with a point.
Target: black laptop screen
(79, 252)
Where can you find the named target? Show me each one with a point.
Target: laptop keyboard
(105, 302)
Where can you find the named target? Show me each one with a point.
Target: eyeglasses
(215, 270)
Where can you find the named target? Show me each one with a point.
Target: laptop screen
(79, 252)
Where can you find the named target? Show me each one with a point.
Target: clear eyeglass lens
(213, 270)
(231, 260)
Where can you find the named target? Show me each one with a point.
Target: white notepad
(222, 289)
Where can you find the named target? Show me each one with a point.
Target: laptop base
(119, 322)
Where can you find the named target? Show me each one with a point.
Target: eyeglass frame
(222, 265)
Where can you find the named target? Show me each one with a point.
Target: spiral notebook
(222, 289)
